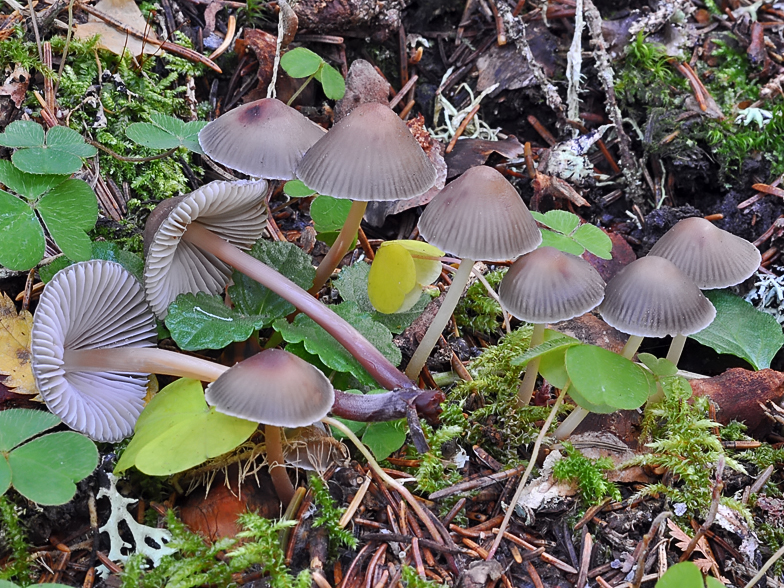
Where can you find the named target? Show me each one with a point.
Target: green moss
(329, 515)
(647, 80)
(411, 579)
(477, 310)
(434, 471)
(14, 541)
(587, 475)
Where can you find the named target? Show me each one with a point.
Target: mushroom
(479, 216)
(191, 241)
(278, 389)
(547, 286)
(710, 256)
(369, 155)
(264, 139)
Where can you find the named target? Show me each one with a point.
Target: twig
(585, 560)
(119, 157)
(765, 568)
(355, 502)
(462, 127)
(718, 486)
(231, 28)
(646, 540)
(476, 484)
(403, 91)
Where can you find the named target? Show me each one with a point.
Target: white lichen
(768, 295)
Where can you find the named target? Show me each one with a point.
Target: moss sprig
(13, 539)
(587, 475)
(329, 515)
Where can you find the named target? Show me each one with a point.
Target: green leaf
(331, 81)
(300, 62)
(70, 210)
(551, 364)
(22, 133)
(561, 242)
(594, 240)
(251, 298)
(317, 341)
(741, 330)
(201, 321)
(22, 243)
(5, 476)
(177, 431)
(100, 250)
(19, 424)
(385, 438)
(682, 575)
(553, 344)
(46, 469)
(328, 213)
(166, 132)
(603, 381)
(558, 220)
(62, 152)
(31, 186)
(660, 367)
(297, 189)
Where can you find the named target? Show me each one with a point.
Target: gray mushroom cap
(710, 256)
(273, 387)
(235, 211)
(651, 297)
(265, 139)
(369, 155)
(91, 305)
(480, 216)
(548, 285)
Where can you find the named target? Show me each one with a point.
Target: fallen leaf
(15, 85)
(15, 331)
(127, 13)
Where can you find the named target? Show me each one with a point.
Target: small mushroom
(369, 155)
(547, 286)
(479, 216)
(264, 139)
(710, 256)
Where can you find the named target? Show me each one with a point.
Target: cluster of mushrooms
(94, 335)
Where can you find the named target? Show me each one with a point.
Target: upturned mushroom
(547, 286)
(479, 216)
(277, 389)
(369, 155)
(710, 256)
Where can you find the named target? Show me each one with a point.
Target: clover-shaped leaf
(297, 189)
(177, 431)
(166, 132)
(45, 469)
(568, 235)
(60, 151)
(303, 63)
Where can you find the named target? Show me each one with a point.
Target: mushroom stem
(631, 347)
(280, 479)
(339, 247)
(367, 355)
(676, 348)
(451, 299)
(141, 360)
(526, 389)
(570, 423)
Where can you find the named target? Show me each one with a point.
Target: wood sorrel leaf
(297, 189)
(59, 152)
(30, 186)
(594, 240)
(558, 220)
(69, 210)
(569, 236)
(22, 133)
(561, 242)
(686, 575)
(22, 243)
(329, 214)
(300, 62)
(166, 132)
(331, 81)
(177, 431)
(741, 330)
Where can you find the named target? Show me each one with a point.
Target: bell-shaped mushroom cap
(480, 216)
(235, 211)
(273, 387)
(91, 305)
(369, 155)
(547, 286)
(651, 297)
(710, 256)
(264, 139)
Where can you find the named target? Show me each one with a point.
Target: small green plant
(479, 311)
(646, 77)
(12, 536)
(329, 516)
(383, 438)
(686, 575)
(411, 578)
(57, 152)
(7, 584)
(587, 474)
(303, 63)
(568, 235)
(434, 471)
(166, 132)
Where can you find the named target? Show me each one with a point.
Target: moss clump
(329, 516)
(477, 310)
(435, 472)
(14, 541)
(587, 475)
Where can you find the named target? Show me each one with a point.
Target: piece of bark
(468, 153)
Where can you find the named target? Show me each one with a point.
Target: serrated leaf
(328, 213)
(15, 330)
(22, 243)
(201, 321)
(20, 424)
(558, 220)
(561, 242)
(31, 186)
(70, 210)
(297, 189)
(166, 132)
(331, 81)
(594, 240)
(22, 133)
(177, 431)
(741, 330)
(251, 298)
(300, 62)
(352, 285)
(317, 341)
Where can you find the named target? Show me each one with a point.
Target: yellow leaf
(392, 276)
(426, 261)
(15, 329)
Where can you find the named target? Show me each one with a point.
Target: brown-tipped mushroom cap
(90, 305)
(710, 256)
(235, 211)
(264, 139)
(273, 387)
(480, 216)
(369, 155)
(548, 285)
(651, 297)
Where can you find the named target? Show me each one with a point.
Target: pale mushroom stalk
(368, 356)
(676, 348)
(340, 247)
(441, 319)
(569, 424)
(632, 345)
(149, 360)
(275, 464)
(526, 389)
